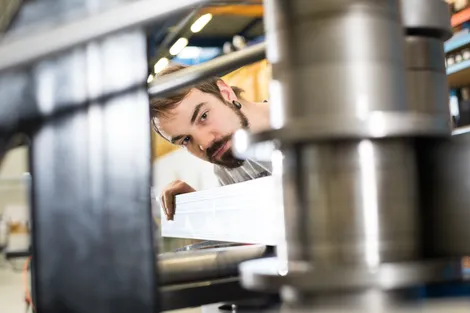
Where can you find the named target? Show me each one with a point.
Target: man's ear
(226, 91)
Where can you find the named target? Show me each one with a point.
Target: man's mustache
(216, 146)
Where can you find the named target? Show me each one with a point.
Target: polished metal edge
(375, 126)
(272, 274)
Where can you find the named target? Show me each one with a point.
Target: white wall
(12, 182)
(14, 199)
(181, 165)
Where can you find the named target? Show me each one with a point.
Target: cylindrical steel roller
(193, 266)
(427, 17)
(334, 60)
(426, 76)
(351, 203)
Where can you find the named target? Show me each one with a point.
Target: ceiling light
(160, 65)
(202, 21)
(190, 53)
(178, 46)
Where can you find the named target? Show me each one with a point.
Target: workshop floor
(12, 291)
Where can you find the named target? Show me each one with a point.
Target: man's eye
(185, 141)
(204, 116)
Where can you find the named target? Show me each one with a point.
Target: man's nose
(203, 141)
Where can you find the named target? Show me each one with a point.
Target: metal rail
(21, 51)
(186, 77)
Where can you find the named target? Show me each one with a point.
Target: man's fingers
(162, 201)
(168, 197)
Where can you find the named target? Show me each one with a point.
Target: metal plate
(250, 212)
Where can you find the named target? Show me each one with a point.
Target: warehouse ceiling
(227, 19)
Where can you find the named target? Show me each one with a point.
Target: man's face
(204, 124)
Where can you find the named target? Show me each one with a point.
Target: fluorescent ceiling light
(149, 79)
(178, 46)
(160, 65)
(202, 21)
(190, 53)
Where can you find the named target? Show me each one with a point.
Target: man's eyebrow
(196, 112)
(177, 138)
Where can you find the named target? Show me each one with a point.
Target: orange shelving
(460, 17)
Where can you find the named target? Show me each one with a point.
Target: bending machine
(371, 178)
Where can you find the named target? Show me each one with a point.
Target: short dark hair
(160, 106)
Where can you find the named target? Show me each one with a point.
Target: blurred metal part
(243, 147)
(206, 292)
(321, 226)
(374, 125)
(461, 130)
(341, 193)
(194, 266)
(92, 228)
(164, 85)
(16, 101)
(349, 173)
(426, 76)
(426, 17)
(3, 146)
(368, 301)
(21, 51)
(269, 275)
(8, 10)
(301, 52)
(444, 171)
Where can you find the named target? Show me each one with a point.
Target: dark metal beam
(92, 231)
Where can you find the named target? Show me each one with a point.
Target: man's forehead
(175, 120)
(164, 125)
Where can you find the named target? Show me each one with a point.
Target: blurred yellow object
(17, 228)
(161, 146)
(253, 79)
(239, 9)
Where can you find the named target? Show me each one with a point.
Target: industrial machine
(374, 192)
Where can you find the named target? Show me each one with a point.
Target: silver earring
(237, 104)
(200, 147)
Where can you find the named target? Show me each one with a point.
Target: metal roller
(426, 76)
(341, 211)
(328, 79)
(427, 17)
(194, 266)
(345, 123)
(427, 26)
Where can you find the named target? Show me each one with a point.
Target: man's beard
(227, 159)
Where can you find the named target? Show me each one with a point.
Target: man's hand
(168, 196)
